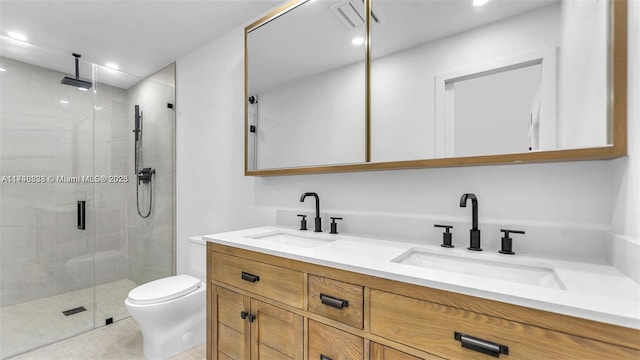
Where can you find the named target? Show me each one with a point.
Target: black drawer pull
(325, 357)
(334, 302)
(243, 314)
(479, 345)
(250, 277)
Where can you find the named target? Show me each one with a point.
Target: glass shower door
(47, 221)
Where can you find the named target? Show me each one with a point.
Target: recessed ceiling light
(3, 69)
(479, 2)
(112, 66)
(17, 36)
(64, 101)
(357, 40)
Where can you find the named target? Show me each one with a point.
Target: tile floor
(42, 322)
(121, 340)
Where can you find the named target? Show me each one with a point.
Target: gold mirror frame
(617, 113)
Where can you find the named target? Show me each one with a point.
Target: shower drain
(74, 311)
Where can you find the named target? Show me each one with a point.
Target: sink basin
(530, 274)
(294, 240)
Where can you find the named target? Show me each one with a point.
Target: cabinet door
(275, 333)
(231, 332)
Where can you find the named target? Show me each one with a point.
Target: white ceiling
(141, 36)
(321, 42)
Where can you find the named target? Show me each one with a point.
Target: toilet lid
(164, 289)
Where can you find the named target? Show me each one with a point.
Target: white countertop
(597, 292)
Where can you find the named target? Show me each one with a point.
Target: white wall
(212, 192)
(316, 121)
(213, 195)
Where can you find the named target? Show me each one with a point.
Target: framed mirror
(305, 70)
(449, 83)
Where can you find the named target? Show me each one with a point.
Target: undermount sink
(529, 274)
(294, 240)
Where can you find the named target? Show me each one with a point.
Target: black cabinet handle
(479, 345)
(334, 302)
(82, 224)
(246, 315)
(325, 357)
(250, 277)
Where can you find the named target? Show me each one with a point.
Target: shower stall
(72, 240)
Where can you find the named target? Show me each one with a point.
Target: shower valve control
(144, 176)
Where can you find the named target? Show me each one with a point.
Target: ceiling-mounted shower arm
(77, 82)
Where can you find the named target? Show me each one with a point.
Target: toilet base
(171, 327)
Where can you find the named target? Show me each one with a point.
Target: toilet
(171, 311)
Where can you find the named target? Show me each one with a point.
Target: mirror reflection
(451, 79)
(306, 87)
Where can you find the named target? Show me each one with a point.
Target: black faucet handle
(507, 242)
(334, 225)
(507, 232)
(303, 222)
(446, 235)
(446, 227)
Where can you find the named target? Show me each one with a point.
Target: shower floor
(39, 322)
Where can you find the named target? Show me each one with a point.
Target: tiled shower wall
(48, 129)
(150, 245)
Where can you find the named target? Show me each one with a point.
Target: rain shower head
(77, 82)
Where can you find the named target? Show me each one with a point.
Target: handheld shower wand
(144, 175)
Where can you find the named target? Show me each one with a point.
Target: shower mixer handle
(144, 176)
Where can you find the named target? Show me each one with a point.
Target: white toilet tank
(198, 258)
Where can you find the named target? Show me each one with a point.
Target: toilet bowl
(171, 311)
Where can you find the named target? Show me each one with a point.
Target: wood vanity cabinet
(244, 327)
(262, 306)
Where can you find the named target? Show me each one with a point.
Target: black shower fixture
(77, 82)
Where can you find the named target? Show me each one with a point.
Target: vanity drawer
(329, 343)
(381, 352)
(336, 300)
(432, 327)
(273, 282)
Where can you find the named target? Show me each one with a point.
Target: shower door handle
(82, 215)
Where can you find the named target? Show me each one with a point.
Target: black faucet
(474, 233)
(318, 221)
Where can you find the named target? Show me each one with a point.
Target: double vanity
(283, 293)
